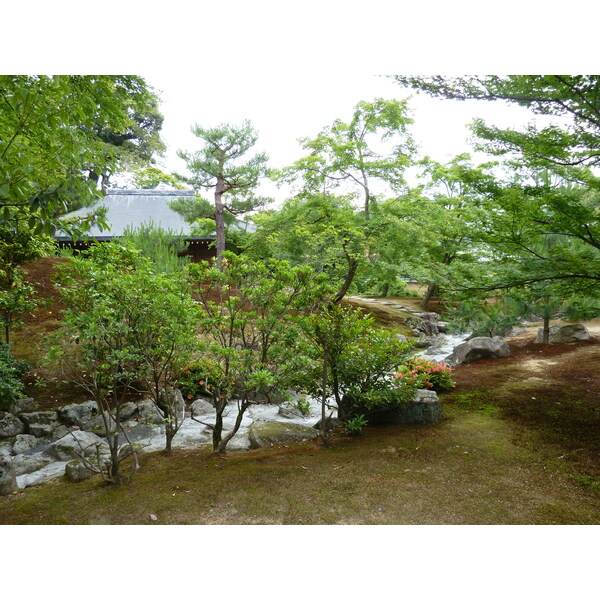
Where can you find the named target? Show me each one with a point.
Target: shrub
(202, 377)
(11, 369)
(426, 374)
(355, 425)
(303, 405)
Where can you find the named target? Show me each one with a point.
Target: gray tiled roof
(132, 208)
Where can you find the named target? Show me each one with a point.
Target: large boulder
(558, 334)
(75, 444)
(24, 443)
(78, 414)
(270, 433)
(476, 349)
(76, 471)
(40, 423)
(10, 426)
(22, 405)
(202, 407)
(8, 479)
(423, 409)
(25, 463)
(149, 413)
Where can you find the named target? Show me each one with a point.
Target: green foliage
(11, 369)
(150, 178)
(218, 165)
(322, 231)
(125, 325)
(426, 374)
(204, 377)
(303, 405)
(359, 360)
(249, 329)
(544, 225)
(482, 318)
(162, 247)
(354, 426)
(373, 145)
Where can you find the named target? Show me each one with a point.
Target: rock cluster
(560, 334)
(476, 349)
(32, 440)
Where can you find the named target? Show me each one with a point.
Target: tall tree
(48, 141)
(222, 165)
(545, 226)
(439, 222)
(575, 97)
(135, 145)
(320, 230)
(374, 145)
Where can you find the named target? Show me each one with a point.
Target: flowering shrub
(425, 374)
(203, 378)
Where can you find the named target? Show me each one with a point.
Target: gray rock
(98, 425)
(559, 334)
(10, 425)
(202, 407)
(174, 399)
(25, 463)
(427, 342)
(290, 412)
(516, 331)
(24, 443)
(149, 413)
(400, 337)
(76, 443)
(76, 471)
(268, 433)
(423, 409)
(8, 479)
(78, 414)
(41, 423)
(23, 405)
(128, 409)
(330, 423)
(476, 349)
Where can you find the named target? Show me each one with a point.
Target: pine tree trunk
(546, 331)
(220, 221)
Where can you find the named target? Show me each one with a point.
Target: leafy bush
(11, 369)
(303, 405)
(426, 374)
(482, 319)
(202, 377)
(355, 425)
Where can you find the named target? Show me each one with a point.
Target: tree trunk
(170, 434)
(220, 220)
(323, 428)
(352, 266)
(432, 289)
(217, 430)
(546, 331)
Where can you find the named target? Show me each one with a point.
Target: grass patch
(467, 470)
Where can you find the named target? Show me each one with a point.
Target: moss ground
(519, 444)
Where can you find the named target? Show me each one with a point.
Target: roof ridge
(121, 192)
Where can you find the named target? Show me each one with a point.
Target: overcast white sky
(286, 107)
